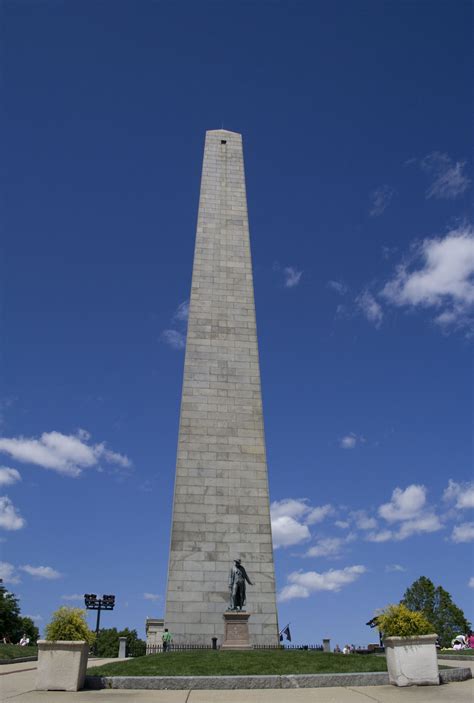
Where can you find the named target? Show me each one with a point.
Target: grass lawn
(14, 651)
(457, 652)
(216, 663)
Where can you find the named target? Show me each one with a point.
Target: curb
(376, 678)
(18, 660)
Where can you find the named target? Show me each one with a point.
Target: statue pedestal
(236, 630)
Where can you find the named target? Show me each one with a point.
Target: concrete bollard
(122, 647)
(326, 645)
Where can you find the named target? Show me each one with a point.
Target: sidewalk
(17, 686)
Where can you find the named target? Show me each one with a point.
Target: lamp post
(99, 604)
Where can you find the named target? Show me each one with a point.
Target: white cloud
(10, 519)
(390, 568)
(325, 547)
(175, 339)
(439, 275)
(182, 312)
(343, 524)
(73, 597)
(290, 520)
(8, 476)
(8, 573)
(152, 596)
(407, 507)
(382, 536)
(293, 591)
(292, 276)
(461, 493)
(380, 199)
(66, 454)
(302, 584)
(428, 522)
(404, 504)
(363, 521)
(388, 252)
(319, 514)
(41, 572)
(329, 546)
(338, 286)
(292, 507)
(463, 532)
(471, 582)
(287, 531)
(351, 440)
(370, 308)
(448, 177)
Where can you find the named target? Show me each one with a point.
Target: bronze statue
(237, 578)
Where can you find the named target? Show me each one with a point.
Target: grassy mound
(216, 663)
(14, 651)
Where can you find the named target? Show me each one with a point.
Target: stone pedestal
(412, 661)
(62, 665)
(236, 630)
(122, 647)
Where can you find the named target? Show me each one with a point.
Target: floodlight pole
(97, 626)
(99, 604)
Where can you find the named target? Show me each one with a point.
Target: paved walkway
(17, 686)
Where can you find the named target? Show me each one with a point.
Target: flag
(286, 632)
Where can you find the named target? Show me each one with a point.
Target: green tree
(10, 620)
(108, 642)
(136, 647)
(437, 606)
(28, 627)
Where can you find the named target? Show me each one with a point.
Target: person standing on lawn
(166, 639)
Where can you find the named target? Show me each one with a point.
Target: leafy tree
(108, 642)
(437, 606)
(136, 647)
(69, 624)
(28, 627)
(12, 624)
(9, 615)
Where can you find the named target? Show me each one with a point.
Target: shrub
(107, 644)
(398, 621)
(69, 624)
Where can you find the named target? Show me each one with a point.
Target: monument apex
(221, 511)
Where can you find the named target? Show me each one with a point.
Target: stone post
(326, 645)
(122, 647)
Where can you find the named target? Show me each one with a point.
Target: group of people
(463, 641)
(24, 642)
(347, 649)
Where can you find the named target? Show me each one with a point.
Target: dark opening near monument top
(221, 511)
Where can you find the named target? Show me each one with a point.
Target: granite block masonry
(221, 501)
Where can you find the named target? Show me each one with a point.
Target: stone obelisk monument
(221, 501)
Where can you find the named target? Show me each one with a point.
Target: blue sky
(356, 124)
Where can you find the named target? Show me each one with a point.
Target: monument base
(236, 630)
